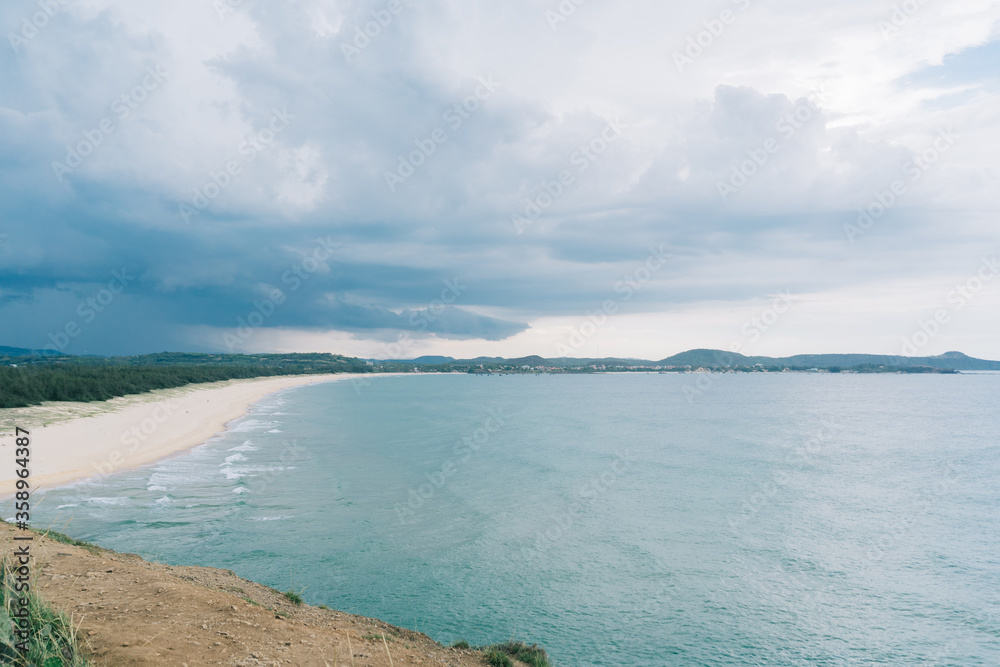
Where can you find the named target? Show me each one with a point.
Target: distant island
(30, 377)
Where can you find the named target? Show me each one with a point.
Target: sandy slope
(131, 612)
(72, 441)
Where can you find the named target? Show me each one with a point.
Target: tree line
(31, 381)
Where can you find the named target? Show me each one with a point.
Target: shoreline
(71, 442)
(129, 611)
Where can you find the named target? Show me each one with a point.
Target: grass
(293, 597)
(52, 639)
(496, 658)
(461, 643)
(499, 655)
(66, 539)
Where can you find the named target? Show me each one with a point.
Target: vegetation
(28, 381)
(293, 597)
(39, 376)
(52, 638)
(496, 658)
(499, 655)
(66, 539)
(461, 643)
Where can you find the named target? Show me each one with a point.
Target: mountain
(428, 360)
(719, 359)
(707, 358)
(25, 352)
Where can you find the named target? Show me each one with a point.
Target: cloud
(273, 133)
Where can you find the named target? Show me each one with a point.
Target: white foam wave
(108, 501)
(251, 425)
(239, 472)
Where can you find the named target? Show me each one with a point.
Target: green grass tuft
(533, 656)
(52, 641)
(293, 597)
(66, 539)
(496, 658)
(461, 643)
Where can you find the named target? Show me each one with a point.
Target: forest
(26, 381)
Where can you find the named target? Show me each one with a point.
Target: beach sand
(75, 441)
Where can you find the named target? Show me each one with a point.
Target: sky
(582, 178)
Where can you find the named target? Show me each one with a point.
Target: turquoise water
(754, 519)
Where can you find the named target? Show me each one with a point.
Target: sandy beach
(74, 441)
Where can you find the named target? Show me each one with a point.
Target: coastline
(129, 611)
(75, 441)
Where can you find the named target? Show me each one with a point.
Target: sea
(614, 519)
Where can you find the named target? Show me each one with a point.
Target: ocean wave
(251, 425)
(271, 518)
(241, 489)
(275, 430)
(233, 459)
(108, 501)
(238, 472)
(247, 446)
